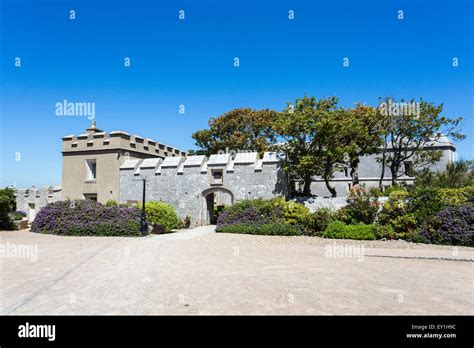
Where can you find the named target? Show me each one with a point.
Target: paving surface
(198, 271)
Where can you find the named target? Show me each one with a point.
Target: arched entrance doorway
(214, 199)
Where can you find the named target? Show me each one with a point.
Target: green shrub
(385, 232)
(319, 221)
(388, 190)
(294, 213)
(393, 211)
(17, 215)
(405, 211)
(340, 230)
(265, 211)
(456, 196)
(8, 194)
(161, 213)
(111, 203)
(6, 222)
(424, 202)
(262, 229)
(362, 206)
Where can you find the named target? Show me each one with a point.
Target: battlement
(193, 185)
(180, 165)
(31, 200)
(99, 140)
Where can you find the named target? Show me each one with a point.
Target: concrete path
(198, 271)
(185, 233)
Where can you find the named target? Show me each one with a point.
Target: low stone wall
(21, 224)
(315, 203)
(333, 203)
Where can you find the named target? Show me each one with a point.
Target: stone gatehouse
(196, 185)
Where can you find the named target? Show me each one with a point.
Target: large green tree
(302, 126)
(322, 138)
(407, 133)
(242, 129)
(361, 129)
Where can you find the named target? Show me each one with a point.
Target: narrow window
(92, 197)
(91, 165)
(217, 176)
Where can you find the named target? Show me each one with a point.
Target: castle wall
(32, 200)
(369, 173)
(185, 182)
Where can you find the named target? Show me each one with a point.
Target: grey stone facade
(32, 199)
(370, 169)
(195, 185)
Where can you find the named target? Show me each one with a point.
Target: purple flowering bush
(453, 225)
(251, 212)
(264, 216)
(87, 218)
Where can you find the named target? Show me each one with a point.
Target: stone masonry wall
(185, 182)
(33, 199)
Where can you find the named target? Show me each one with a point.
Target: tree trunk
(354, 166)
(394, 170)
(331, 189)
(382, 175)
(307, 186)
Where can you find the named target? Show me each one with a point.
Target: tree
(237, 130)
(8, 194)
(322, 138)
(362, 134)
(300, 126)
(407, 134)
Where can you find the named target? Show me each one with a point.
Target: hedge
(340, 230)
(263, 229)
(87, 218)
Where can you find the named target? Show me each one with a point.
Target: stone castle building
(90, 167)
(100, 166)
(91, 161)
(196, 185)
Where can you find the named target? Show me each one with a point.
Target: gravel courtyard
(200, 272)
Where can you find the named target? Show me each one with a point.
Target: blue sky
(190, 62)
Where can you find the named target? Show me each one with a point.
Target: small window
(92, 197)
(217, 176)
(91, 165)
